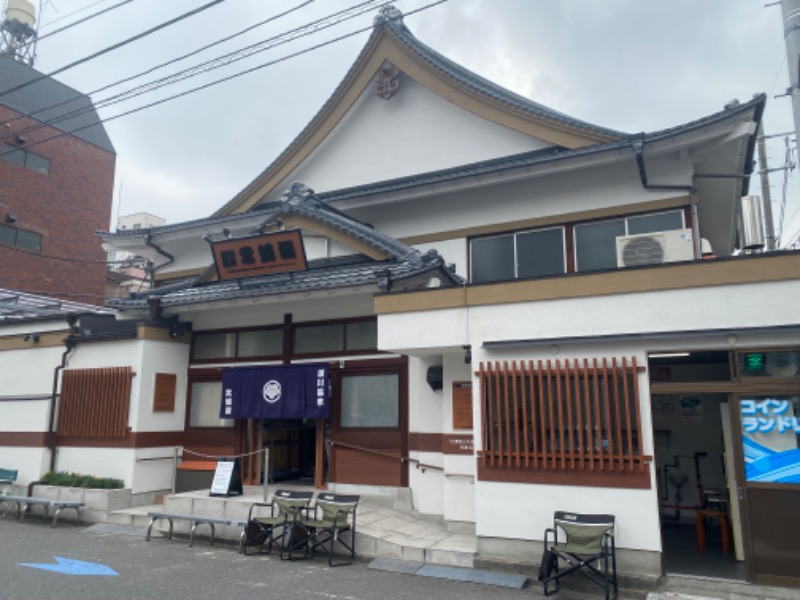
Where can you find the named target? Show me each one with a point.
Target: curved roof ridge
(394, 22)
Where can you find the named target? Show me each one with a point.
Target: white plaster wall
(427, 487)
(24, 415)
(160, 357)
(638, 525)
(30, 463)
(152, 475)
(414, 131)
(592, 186)
(22, 372)
(714, 307)
(425, 406)
(110, 462)
(423, 332)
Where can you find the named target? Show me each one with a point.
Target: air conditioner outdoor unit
(654, 248)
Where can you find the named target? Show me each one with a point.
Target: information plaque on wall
(462, 405)
(227, 479)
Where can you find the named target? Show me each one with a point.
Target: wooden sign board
(227, 479)
(254, 256)
(462, 405)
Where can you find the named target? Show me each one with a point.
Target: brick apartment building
(56, 184)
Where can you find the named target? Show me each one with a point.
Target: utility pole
(766, 196)
(791, 35)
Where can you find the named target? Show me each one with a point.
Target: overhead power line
(223, 80)
(68, 15)
(112, 47)
(84, 109)
(210, 65)
(80, 21)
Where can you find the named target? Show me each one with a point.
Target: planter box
(99, 502)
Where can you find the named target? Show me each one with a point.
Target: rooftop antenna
(18, 31)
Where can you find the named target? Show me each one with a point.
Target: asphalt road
(163, 569)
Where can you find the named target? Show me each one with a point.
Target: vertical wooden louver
(567, 416)
(94, 402)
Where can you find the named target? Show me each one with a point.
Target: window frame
(16, 231)
(514, 237)
(9, 149)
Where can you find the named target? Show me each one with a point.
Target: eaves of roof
(340, 276)
(471, 80)
(21, 307)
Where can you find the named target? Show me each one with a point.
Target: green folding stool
(277, 525)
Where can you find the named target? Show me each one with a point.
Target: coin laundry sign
(279, 252)
(280, 392)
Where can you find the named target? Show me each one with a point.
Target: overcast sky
(630, 65)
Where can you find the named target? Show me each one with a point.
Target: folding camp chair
(285, 508)
(587, 547)
(333, 520)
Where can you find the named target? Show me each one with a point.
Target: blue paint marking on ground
(69, 566)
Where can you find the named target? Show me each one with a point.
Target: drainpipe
(69, 342)
(148, 241)
(638, 150)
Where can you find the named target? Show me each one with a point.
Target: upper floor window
(596, 243)
(24, 158)
(571, 247)
(20, 238)
(524, 254)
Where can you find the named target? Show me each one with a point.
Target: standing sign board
(227, 479)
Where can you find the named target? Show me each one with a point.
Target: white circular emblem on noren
(272, 391)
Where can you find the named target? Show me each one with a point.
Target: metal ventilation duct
(752, 223)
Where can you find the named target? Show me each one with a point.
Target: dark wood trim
(635, 479)
(143, 439)
(444, 443)
(424, 442)
(23, 439)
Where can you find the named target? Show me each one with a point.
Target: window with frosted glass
(267, 342)
(540, 253)
(214, 345)
(492, 258)
(204, 405)
(596, 245)
(362, 335)
(370, 401)
(313, 339)
(29, 240)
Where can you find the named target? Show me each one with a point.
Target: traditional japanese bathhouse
(611, 339)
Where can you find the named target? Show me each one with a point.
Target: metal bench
(195, 520)
(47, 503)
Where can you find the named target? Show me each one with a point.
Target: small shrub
(65, 479)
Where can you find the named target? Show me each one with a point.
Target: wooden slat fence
(566, 415)
(94, 402)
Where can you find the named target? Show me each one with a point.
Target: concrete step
(678, 587)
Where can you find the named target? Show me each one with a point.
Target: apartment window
(23, 158)
(20, 238)
(596, 243)
(534, 253)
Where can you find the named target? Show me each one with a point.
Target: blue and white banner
(771, 431)
(279, 392)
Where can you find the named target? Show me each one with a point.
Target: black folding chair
(333, 521)
(586, 546)
(285, 508)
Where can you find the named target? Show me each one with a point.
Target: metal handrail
(420, 465)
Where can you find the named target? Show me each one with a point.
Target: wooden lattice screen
(562, 415)
(94, 402)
